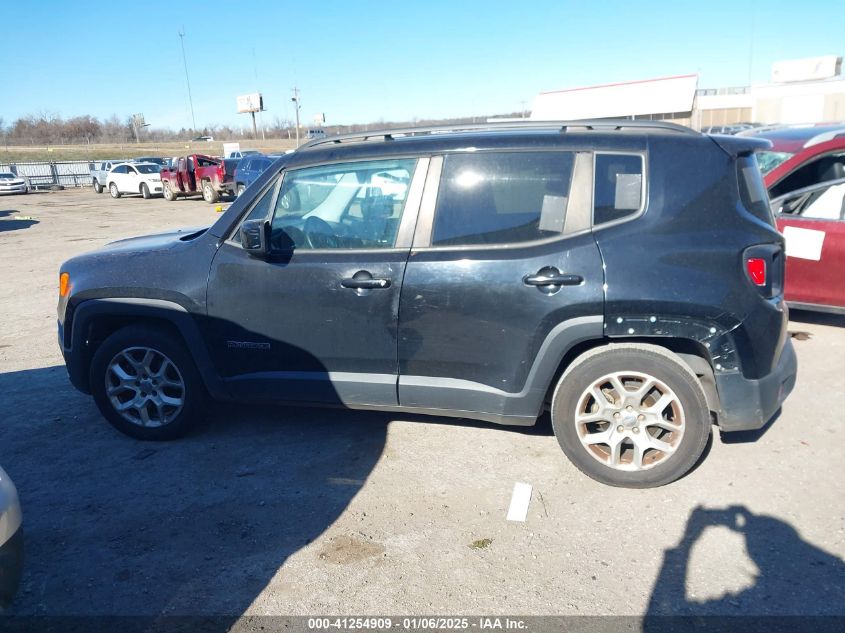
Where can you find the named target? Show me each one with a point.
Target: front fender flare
(78, 355)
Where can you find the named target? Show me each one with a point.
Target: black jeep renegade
(625, 276)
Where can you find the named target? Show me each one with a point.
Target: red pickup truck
(199, 174)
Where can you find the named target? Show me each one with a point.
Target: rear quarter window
(619, 187)
(752, 189)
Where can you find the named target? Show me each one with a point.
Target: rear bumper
(749, 404)
(11, 567)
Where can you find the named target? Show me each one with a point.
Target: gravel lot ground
(308, 511)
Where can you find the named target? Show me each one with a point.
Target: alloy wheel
(629, 421)
(145, 387)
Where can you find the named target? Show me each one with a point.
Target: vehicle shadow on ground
(819, 318)
(114, 526)
(794, 577)
(9, 223)
(199, 526)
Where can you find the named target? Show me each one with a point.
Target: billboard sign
(252, 102)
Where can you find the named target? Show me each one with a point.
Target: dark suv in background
(625, 276)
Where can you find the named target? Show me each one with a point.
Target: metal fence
(71, 173)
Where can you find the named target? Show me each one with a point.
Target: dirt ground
(308, 511)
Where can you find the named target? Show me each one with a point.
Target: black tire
(113, 190)
(169, 195)
(209, 194)
(98, 187)
(164, 343)
(671, 375)
(145, 191)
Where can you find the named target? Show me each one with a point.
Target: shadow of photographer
(794, 577)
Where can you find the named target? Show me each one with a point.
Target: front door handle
(548, 278)
(365, 284)
(363, 280)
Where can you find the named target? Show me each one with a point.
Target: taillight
(756, 267)
(763, 265)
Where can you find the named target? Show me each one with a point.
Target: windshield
(148, 169)
(7, 174)
(769, 160)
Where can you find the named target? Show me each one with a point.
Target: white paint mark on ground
(520, 499)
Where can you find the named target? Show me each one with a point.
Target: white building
(800, 91)
(659, 98)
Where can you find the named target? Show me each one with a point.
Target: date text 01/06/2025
(416, 623)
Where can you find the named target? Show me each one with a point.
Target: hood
(157, 240)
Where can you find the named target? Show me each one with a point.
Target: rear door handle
(559, 279)
(365, 284)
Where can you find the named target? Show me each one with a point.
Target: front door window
(347, 206)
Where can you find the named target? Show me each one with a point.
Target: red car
(804, 173)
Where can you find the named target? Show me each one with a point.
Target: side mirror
(254, 238)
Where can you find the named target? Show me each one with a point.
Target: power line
(187, 79)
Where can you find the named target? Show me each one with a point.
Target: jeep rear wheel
(208, 193)
(631, 415)
(146, 384)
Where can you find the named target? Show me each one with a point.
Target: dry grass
(102, 151)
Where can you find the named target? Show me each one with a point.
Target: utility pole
(295, 99)
(187, 79)
(254, 130)
(260, 112)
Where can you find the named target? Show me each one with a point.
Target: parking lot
(310, 511)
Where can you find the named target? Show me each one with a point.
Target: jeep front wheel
(146, 384)
(631, 415)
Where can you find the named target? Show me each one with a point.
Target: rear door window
(500, 197)
(619, 187)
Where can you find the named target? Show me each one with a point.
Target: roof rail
(560, 126)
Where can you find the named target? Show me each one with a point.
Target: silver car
(11, 540)
(9, 183)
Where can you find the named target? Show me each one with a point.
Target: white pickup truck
(100, 171)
